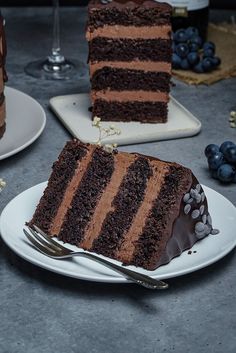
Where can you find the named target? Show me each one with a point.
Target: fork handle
(134, 276)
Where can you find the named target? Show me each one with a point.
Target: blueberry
(230, 154)
(191, 32)
(207, 64)
(184, 64)
(180, 36)
(214, 174)
(193, 47)
(193, 58)
(225, 145)
(209, 45)
(215, 160)
(176, 61)
(208, 53)
(182, 50)
(216, 61)
(226, 173)
(197, 40)
(198, 68)
(211, 149)
(173, 47)
(234, 178)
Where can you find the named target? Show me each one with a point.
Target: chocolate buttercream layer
(144, 112)
(105, 49)
(90, 189)
(130, 80)
(62, 172)
(130, 32)
(127, 96)
(159, 223)
(132, 65)
(138, 13)
(128, 200)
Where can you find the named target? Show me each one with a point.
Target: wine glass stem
(56, 57)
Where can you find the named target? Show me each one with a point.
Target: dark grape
(184, 64)
(226, 173)
(197, 40)
(209, 45)
(208, 53)
(198, 68)
(211, 149)
(225, 145)
(180, 36)
(193, 58)
(193, 47)
(230, 154)
(207, 64)
(182, 50)
(216, 61)
(176, 61)
(191, 32)
(215, 160)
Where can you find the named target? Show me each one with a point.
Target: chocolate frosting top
(131, 4)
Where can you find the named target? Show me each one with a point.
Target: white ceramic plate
(25, 120)
(73, 111)
(208, 250)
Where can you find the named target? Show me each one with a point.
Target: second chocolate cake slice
(130, 60)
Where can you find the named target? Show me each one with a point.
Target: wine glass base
(44, 69)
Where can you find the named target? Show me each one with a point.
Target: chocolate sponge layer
(130, 80)
(105, 49)
(150, 112)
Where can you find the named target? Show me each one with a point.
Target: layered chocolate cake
(3, 77)
(129, 59)
(136, 209)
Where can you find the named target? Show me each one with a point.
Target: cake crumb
(189, 252)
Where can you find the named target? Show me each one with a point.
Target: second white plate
(25, 121)
(204, 252)
(73, 111)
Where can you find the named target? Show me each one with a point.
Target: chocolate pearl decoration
(203, 196)
(198, 187)
(202, 209)
(187, 209)
(204, 218)
(198, 198)
(215, 231)
(190, 200)
(186, 197)
(193, 193)
(200, 230)
(195, 214)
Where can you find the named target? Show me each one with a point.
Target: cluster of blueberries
(222, 161)
(190, 53)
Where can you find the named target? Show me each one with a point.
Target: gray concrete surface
(45, 312)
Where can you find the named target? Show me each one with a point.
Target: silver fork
(49, 247)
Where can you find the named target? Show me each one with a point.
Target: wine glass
(55, 66)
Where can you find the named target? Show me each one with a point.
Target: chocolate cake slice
(3, 77)
(129, 60)
(133, 208)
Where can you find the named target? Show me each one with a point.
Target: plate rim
(7, 91)
(107, 278)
